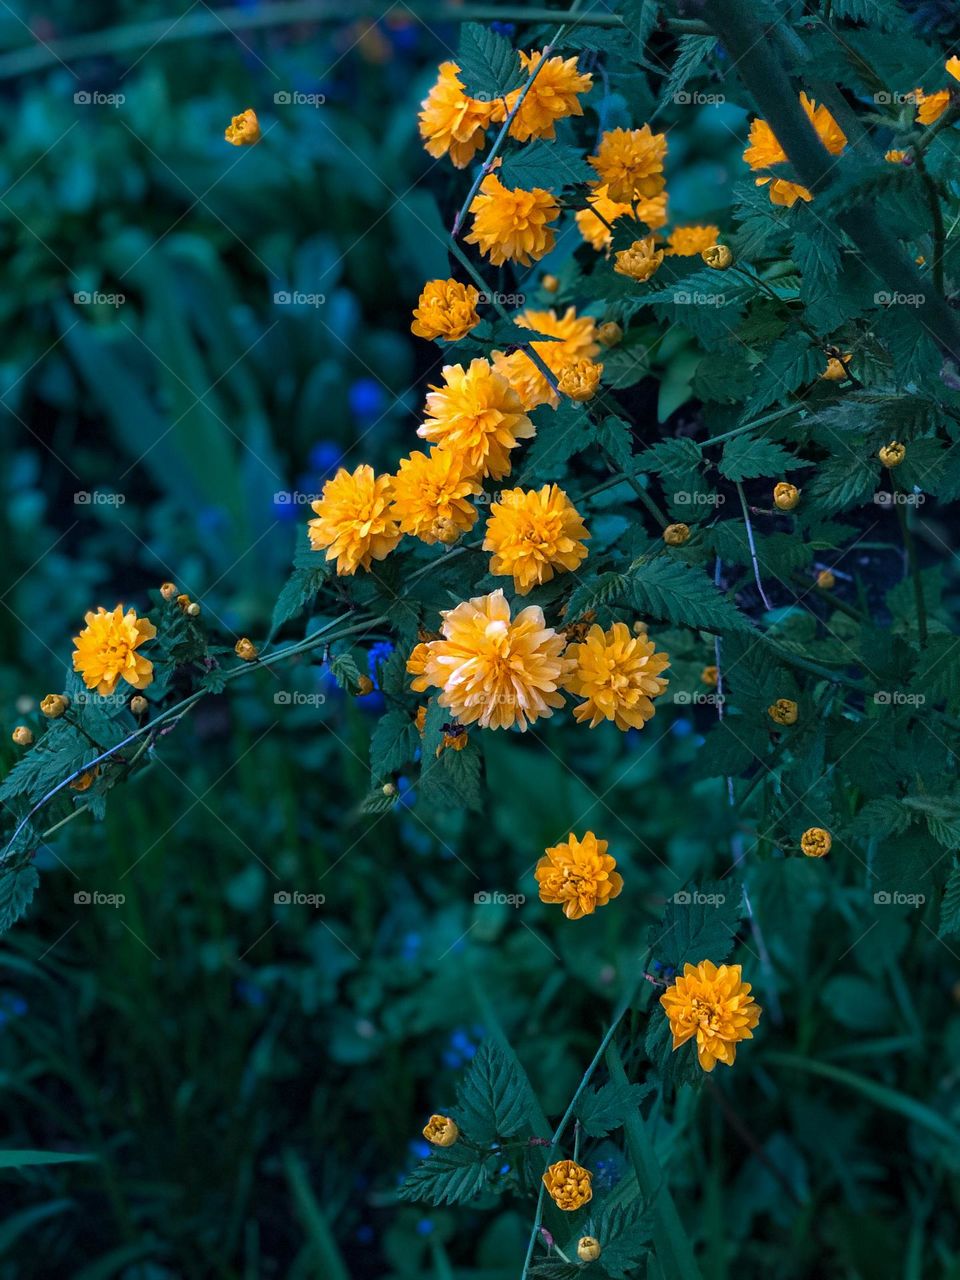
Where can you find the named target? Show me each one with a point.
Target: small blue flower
(378, 655)
(249, 993)
(424, 1227)
(420, 1148)
(367, 399)
(503, 28)
(324, 458)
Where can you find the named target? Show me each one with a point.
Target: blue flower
(366, 398)
(424, 1227)
(324, 458)
(378, 655)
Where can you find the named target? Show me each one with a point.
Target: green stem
(939, 229)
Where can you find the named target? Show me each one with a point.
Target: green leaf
(602, 1110)
(698, 924)
(298, 592)
(17, 887)
(494, 1099)
(950, 906)
(692, 52)
(22, 1159)
(489, 65)
(668, 590)
(345, 671)
(747, 457)
(451, 1175)
(843, 481)
(394, 742)
(545, 164)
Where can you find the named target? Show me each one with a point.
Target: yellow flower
(815, 842)
(765, 151)
(588, 1249)
(640, 261)
(630, 162)
(417, 667)
(714, 1005)
(478, 416)
(447, 309)
(652, 211)
(512, 225)
(106, 650)
(534, 533)
(717, 256)
(690, 241)
(22, 736)
(675, 535)
(246, 649)
(892, 454)
(441, 1131)
(576, 339)
(952, 66)
(785, 496)
(353, 521)
(244, 129)
(551, 97)
(594, 229)
(550, 283)
(826, 581)
(783, 711)
(895, 157)
(492, 670)
(568, 1185)
(836, 370)
(580, 380)
(54, 705)
(451, 122)
(431, 496)
(618, 674)
(579, 874)
(86, 780)
(710, 676)
(931, 106)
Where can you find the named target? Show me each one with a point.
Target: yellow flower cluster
(765, 151)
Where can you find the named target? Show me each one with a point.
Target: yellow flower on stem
(551, 97)
(618, 674)
(450, 121)
(765, 151)
(431, 496)
(931, 106)
(492, 669)
(244, 129)
(630, 162)
(576, 339)
(246, 649)
(826, 580)
(691, 241)
(106, 650)
(477, 416)
(710, 676)
(534, 533)
(569, 1185)
(354, 523)
(640, 261)
(447, 309)
(815, 842)
(785, 496)
(714, 1005)
(580, 380)
(441, 1131)
(579, 874)
(783, 711)
(892, 454)
(512, 225)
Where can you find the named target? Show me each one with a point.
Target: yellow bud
(54, 705)
(183, 602)
(364, 686)
(710, 676)
(86, 780)
(244, 129)
(588, 1250)
(193, 610)
(826, 580)
(836, 369)
(246, 650)
(610, 333)
(389, 789)
(138, 705)
(22, 736)
(892, 454)
(815, 842)
(718, 256)
(675, 535)
(783, 711)
(785, 496)
(639, 628)
(168, 590)
(441, 1131)
(550, 283)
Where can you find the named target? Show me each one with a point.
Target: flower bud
(441, 1131)
(580, 380)
(54, 705)
(22, 736)
(710, 676)
(183, 602)
(675, 535)
(783, 711)
(826, 580)
(836, 369)
(244, 129)
(892, 454)
(364, 686)
(550, 283)
(588, 1250)
(639, 627)
(246, 650)
(815, 842)
(718, 256)
(192, 610)
(168, 590)
(785, 496)
(389, 789)
(138, 705)
(610, 334)
(85, 781)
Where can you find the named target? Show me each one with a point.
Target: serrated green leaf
(451, 1175)
(600, 1111)
(489, 65)
(666, 589)
(548, 165)
(698, 924)
(747, 457)
(17, 887)
(393, 743)
(494, 1098)
(950, 905)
